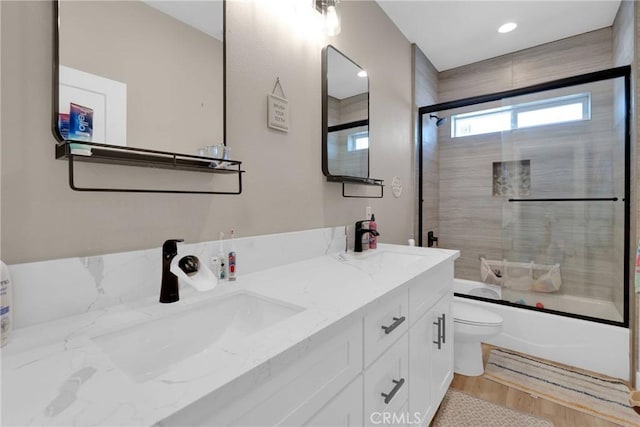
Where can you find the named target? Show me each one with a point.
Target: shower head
(439, 120)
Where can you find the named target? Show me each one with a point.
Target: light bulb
(508, 27)
(332, 21)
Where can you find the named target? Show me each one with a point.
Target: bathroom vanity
(335, 339)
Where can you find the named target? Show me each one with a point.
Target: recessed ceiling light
(509, 26)
(362, 73)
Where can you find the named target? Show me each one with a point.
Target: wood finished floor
(500, 394)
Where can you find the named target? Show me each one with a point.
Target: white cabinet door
(442, 353)
(430, 359)
(421, 337)
(345, 410)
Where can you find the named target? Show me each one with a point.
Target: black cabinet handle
(396, 388)
(439, 324)
(442, 335)
(395, 324)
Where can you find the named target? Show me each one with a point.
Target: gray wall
(563, 58)
(284, 189)
(425, 92)
(470, 219)
(132, 42)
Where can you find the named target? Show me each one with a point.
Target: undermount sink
(144, 351)
(378, 257)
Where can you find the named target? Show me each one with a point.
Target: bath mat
(461, 410)
(598, 395)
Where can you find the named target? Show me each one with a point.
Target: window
(358, 141)
(482, 122)
(538, 113)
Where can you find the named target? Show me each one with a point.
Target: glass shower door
(561, 178)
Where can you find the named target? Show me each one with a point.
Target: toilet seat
(476, 316)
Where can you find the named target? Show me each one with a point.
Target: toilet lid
(473, 315)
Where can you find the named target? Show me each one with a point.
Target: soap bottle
(232, 257)
(373, 239)
(6, 316)
(222, 267)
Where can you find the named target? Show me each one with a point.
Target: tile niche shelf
(128, 156)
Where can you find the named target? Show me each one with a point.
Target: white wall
(284, 189)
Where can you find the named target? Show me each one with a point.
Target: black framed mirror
(345, 117)
(141, 74)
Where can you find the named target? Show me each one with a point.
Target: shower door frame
(608, 74)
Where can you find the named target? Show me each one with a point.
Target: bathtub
(581, 343)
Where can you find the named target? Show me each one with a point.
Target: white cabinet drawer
(288, 390)
(386, 383)
(385, 321)
(426, 289)
(345, 410)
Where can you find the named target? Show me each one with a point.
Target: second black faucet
(357, 244)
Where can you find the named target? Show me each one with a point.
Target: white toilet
(472, 325)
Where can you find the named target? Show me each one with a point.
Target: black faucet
(169, 288)
(357, 245)
(431, 239)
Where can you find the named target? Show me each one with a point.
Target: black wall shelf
(128, 156)
(358, 181)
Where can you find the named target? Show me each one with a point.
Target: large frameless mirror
(141, 74)
(345, 116)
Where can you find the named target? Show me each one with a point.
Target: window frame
(583, 98)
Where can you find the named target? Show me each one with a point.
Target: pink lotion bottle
(373, 240)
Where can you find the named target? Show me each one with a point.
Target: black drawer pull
(395, 324)
(396, 388)
(444, 334)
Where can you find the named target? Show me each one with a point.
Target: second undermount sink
(380, 257)
(144, 351)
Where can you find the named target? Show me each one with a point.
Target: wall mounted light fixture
(329, 16)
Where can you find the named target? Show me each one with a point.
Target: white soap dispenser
(6, 315)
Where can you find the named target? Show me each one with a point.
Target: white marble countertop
(56, 374)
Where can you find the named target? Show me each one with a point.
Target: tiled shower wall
(341, 111)
(471, 220)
